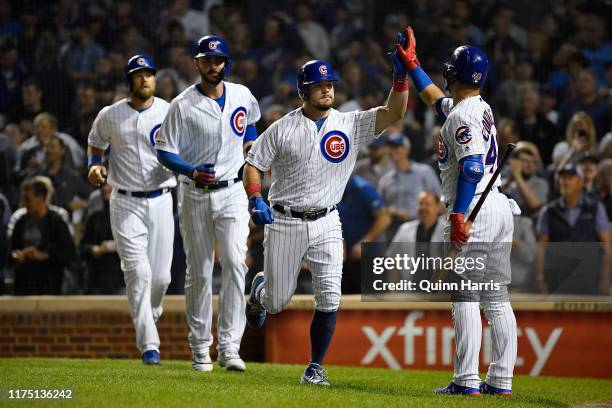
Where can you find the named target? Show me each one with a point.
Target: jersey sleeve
(253, 114)
(365, 123)
(264, 149)
(99, 136)
(443, 107)
(167, 139)
(466, 136)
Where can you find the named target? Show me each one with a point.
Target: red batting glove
(407, 53)
(458, 236)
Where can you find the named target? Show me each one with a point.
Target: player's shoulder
(234, 87)
(160, 103)
(113, 108)
(186, 96)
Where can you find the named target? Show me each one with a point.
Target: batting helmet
(136, 63)
(313, 72)
(213, 45)
(468, 65)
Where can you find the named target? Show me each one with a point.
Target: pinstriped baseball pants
(204, 218)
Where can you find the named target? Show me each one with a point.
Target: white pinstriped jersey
(133, 164)
(310, 168)
(469, 129)
(201, 133)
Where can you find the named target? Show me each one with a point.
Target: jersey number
(491, 159)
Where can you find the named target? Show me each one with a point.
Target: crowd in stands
(549, 85)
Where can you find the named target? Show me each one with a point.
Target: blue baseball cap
(378, 142)
(398, 139)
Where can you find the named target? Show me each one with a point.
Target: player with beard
(311, 153)
(140, 206)
(203, 138)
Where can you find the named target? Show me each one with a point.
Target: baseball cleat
(489, 389)
(231, 361)
(315, 375)
(201, 362)
(454, 389)
(150, 357)
(255, 313)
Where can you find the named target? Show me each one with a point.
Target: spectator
(424, 236)
(523, 254)
(12, 75)
(523, 184)
(506, 134)
(401, 186)
(364, 219)
(588, 101)
(272, 114)
(166, 87)
(195, 22)
(71, 190)
(592, 35)
(579, 140)
(533, 126)
(587, 167)
(604, 185)
(104, 275)
(86, 104)
(30, 153)
(315, 37)
(41, 245)
(81, 54)
(284, 95)
(377, 164)
(578, 219)
(31, 104)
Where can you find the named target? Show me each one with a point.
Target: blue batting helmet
(468, 65)
(312, 72)
(137, 63)
(213, 45)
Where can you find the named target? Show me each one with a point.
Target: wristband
(252, 188)
(93, 160)
(400, 83)
(420, 79)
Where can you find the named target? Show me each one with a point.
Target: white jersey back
(310, 168)
(133, 164)
(469, 129)
(201, 133)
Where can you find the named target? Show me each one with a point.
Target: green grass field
(123, 383)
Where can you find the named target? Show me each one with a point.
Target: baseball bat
(439, 275)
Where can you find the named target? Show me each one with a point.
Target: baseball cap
(378, 142)
(588, 157)
(398, 139)
(569, 168)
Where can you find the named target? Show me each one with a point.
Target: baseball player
(202, 139)
(140, 206)
(467, 160)
(311, 153)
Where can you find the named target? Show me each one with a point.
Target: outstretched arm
(395, 108)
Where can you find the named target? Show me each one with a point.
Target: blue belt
(145, 194)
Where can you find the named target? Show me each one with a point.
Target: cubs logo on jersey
(335, 146)
(153, 134)
(238, 121)
(442, 150)
(463, 135)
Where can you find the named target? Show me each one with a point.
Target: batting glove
(261, 213)
(458, 236)
(204, 174)
(405, 51)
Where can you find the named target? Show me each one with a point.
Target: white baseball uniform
(310, 170)
(143, 228)
(470, 129)
(201, 133)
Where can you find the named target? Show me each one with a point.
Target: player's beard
(143, 94)
(322, 106)
(210, 79)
